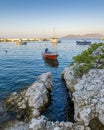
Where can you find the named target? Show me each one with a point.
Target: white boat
(54, 39)
(21, 43)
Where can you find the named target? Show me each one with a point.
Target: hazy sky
(34, 18)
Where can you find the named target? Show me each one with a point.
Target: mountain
(94, 35)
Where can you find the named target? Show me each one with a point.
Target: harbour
(21, 65)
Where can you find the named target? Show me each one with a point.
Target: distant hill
(85, 36)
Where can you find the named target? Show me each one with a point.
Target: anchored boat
(21, 43)
(83, 42)
(55, 40)
(50, 55)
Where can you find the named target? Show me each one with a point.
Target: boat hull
(50, 56)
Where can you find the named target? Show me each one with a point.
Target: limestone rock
(16, 125)
(69, 77)
(87, 98)
(32, 101)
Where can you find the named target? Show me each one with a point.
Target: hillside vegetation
(91, 58)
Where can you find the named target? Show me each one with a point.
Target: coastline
(87, 91)
(87, 95)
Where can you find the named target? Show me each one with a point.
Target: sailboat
(54, 39)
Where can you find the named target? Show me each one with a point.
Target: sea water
(20, 65)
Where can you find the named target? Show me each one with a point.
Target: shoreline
(87, 92)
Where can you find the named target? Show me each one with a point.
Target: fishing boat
(83, 42)
(50, 55)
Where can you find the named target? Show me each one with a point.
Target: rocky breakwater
(85, 79)
(29, 103)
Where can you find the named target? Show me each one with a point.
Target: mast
(54, 32)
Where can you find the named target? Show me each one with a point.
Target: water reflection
(21, 43)
(54, 44)
(52, 63)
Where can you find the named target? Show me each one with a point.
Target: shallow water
(21, 64)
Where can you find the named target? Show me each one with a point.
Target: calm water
(21, 64)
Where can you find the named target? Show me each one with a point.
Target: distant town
(22, 39)
(85, 36)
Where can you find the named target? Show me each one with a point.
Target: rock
(37, 125)
(46, 79)
(78, 127)
(69, 78)
(98, 51)
(84, 114)
(87, 108)
(57, 128)
(16, 125)
(88, 93)
(42, 123)
(36, 113)
(88, 96)
(88, 128)
(30, 102)
(96, 124)
(68, 125)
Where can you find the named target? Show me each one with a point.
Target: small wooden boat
(50, 55)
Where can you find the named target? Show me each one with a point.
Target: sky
(37, 18)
